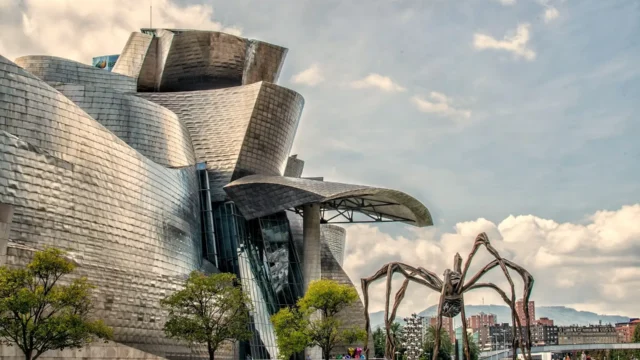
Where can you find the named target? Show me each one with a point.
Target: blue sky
(507, 116)
(554, 136)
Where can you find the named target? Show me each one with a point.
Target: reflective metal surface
(294, 167)
(259, 195)
(55, 70)
(75, 185)
(186, 60)
(155, 131)
(126, 169)
(335, 237)
(237, 131)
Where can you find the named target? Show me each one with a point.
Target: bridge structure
(508, 353)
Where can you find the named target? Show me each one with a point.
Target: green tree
(38, 314)
(313, 321)
(446, 347)
(627, 354)
(635, 338)
(379, 340)
(474, 349)
(208, 311)
(397, 333)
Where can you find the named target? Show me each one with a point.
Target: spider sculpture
(452, 288)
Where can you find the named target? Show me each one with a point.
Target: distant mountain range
(561, 315)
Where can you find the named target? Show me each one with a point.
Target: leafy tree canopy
(379, 341)
(209, 310)
(38, 314)
(446, 347)
(314, 323)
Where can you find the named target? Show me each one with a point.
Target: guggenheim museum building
(175, 158)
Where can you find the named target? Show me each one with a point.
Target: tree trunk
(212, 351)
(325, 353)
(28, 354)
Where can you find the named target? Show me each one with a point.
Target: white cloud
(515, 43)
(593, 266)
(383, 83)
(440, 104)
(550, 13)
(311, 76)
(79, 30)
(507, 2)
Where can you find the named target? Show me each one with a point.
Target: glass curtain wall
(262, 254)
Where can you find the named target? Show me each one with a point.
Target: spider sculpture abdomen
(451, 306)
(452, 302)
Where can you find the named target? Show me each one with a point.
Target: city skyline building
(177, 159)
(481, 320)
(625, 330)
(544, 321)
(592, 334)
(520, 311)
(447, 325)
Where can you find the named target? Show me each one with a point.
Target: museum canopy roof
(261, 195)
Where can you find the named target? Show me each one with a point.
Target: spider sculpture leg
(425, 278)
(465, 335)
(482, 239)
(436, 340)
(528, 282)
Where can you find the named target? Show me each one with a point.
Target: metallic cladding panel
(217, 121)
(270, 135)
(148, 73)
(186, 60)
(55, 70)
(74, 185)
(237, 131)
(203, 60)
(294, 167)
(334, 236)
(353, 314)
(263, 62)
(133, 55)
(259, 195)
(165, 40)
(155, 131)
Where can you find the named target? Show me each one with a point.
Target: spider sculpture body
(451, 289)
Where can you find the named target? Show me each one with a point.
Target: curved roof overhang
(261, 195)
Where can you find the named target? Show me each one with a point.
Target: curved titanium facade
(294, 167)
(178, 156)
(55, 70)
(334, 236)
(155, 131)
(174, 60)
(235, 130)
(74, 185)
(133, 56)
(258, 195)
